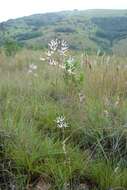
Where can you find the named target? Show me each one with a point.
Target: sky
(17, 8)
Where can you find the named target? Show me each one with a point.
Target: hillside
(90, 30)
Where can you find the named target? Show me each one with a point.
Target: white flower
(53, 45)
(61, 123)
(57, 45)
(49, 53)
(63, 47)
(30, 71)
(62, 66)
(61, 52)
(60, 119)
(33, 67)
(52, 62)
(42, 59)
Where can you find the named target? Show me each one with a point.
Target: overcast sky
(17, 8)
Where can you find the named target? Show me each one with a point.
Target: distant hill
(84, 30)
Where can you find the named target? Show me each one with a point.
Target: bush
(11, 47)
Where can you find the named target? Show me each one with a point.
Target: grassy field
(59, 130)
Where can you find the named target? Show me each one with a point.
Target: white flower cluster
(56, 50)
(61, 123)
(58, 45)
(56, 54)
(32, 68)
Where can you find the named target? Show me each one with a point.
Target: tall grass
(91, 150)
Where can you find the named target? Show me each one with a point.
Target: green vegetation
(11, 47)
(88, 30)
(63, 111)
(63, 127)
